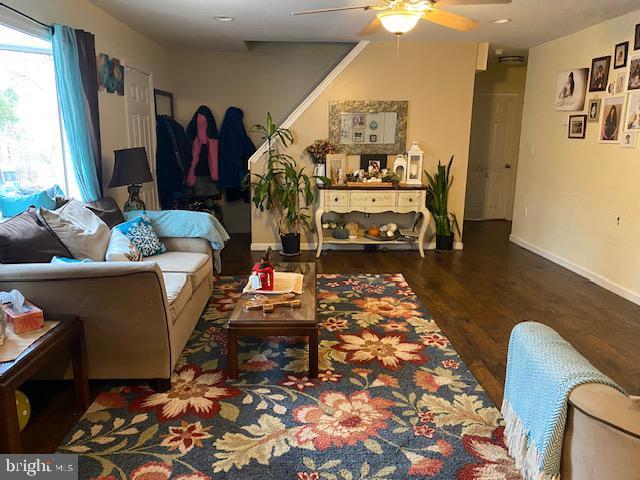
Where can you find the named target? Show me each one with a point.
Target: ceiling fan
(399, 17)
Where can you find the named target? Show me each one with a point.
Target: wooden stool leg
(313, 353)
(80, 375)
(232, 354)
(9, 429)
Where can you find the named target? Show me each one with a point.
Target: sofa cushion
(107, 210)
(196, 265)
(25, 238)
(81, 231)
(121, 249)
(178, 287)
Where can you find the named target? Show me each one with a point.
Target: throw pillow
(69, 260)
(25, 238)
(143, 236)
(14, 205)
(82, 232)
(107, 210)
(121, 249)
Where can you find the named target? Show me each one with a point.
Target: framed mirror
(163, 102)
(368, 126)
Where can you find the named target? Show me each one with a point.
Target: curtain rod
(50, 27)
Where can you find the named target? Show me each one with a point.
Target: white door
(141, 125)
(493, 155)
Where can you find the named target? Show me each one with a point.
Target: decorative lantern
(400, 168)
(414, 164)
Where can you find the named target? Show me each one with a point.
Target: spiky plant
(438, 200)
(283, 189)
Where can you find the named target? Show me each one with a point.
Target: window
(32, 156)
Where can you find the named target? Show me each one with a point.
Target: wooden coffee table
(283, 321)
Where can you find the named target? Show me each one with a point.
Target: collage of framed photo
(617, 108)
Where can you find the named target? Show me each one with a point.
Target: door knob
(507, 166)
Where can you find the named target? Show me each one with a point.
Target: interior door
(493, 155)
(141, 125)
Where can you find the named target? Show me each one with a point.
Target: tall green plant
(438, 200)
(283, 189)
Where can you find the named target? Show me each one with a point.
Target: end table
(67, 334)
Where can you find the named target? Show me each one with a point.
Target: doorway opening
(495, 142)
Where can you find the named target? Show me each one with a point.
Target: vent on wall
(511, 60)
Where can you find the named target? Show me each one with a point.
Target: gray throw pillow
(79, 229)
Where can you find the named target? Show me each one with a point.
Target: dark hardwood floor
(476, 296)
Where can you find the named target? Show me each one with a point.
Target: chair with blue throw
(564, 419)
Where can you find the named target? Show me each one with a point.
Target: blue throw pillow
(15, 205)
(141, 233)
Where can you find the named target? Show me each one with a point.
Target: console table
(399, 199)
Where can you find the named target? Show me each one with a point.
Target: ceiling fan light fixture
(399, 22)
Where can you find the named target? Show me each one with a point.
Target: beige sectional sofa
(137, 316)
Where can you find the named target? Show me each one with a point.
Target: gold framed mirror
(368, 126)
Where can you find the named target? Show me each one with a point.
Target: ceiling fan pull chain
(397, 47)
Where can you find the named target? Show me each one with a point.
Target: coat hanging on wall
(235, 149)
(173, 157)
(203, 135)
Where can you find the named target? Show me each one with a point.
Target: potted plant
(437, 203)
(283, 189)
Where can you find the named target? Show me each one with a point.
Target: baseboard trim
(583, 272)
(333, 246)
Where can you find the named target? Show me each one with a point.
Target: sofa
(137, 316)
(602, 435)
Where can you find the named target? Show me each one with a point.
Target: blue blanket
(187, 224)
(542, 369)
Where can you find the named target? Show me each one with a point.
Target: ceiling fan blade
(451, 20)
(371, 28)
(329, 10)
(453, 3)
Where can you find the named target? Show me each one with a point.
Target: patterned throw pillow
(143, 236)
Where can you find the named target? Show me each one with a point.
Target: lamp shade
(399, 21)
(131, 167)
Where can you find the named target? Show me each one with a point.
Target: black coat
(234, 152)
(173, 155)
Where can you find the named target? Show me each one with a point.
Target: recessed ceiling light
(500, 21)
(224, 18)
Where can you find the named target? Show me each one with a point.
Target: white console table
(400, 199)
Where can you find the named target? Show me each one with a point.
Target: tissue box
(31, 318)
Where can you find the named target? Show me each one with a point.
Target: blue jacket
(234, 149)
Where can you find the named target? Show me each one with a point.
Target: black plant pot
(444, 243)
(290, 244)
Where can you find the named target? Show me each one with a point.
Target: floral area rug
(393, 401)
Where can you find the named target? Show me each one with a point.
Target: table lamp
(131, 168)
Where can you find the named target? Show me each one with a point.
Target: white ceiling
(190, 24)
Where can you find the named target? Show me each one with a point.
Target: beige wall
(269, 77)
(501, 79)
(436, 79)
(115, 39)
(574, 191)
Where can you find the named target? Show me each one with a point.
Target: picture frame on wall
(571, 89)
(636, 43)
(577, 126)
(632, 113)
(593, 114)
(600, 74)
(621, 82)
(163, 102)
(629, 140)
(634, 73)
(621, 54)
(611, 120)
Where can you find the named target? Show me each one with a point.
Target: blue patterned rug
(393, 401)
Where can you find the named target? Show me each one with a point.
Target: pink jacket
(200, 140)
